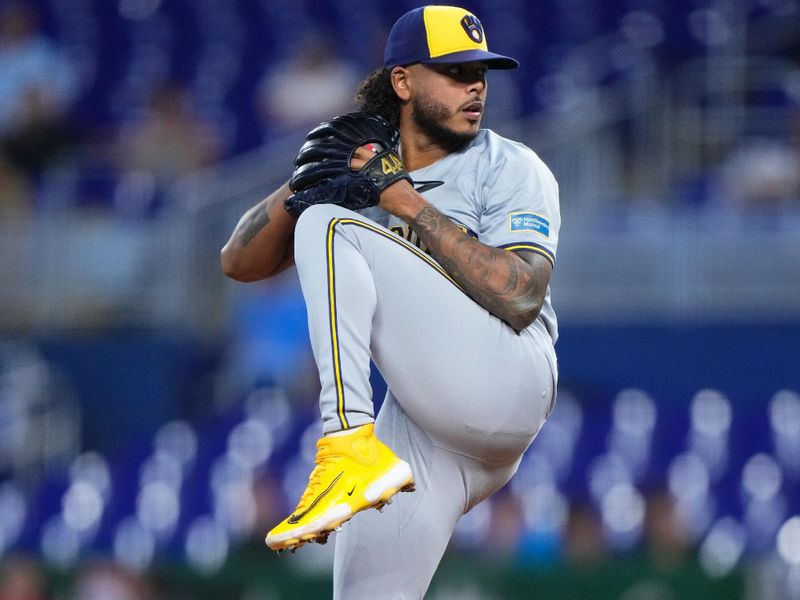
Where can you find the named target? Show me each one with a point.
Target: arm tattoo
(496, 279)
(254, 222)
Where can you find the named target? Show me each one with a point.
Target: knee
(314, 219)
(313, 228)
(317, 219)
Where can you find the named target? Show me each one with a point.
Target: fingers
(362, 155)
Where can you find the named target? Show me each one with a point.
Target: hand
(329, 147)
(361, 156)
(398, 198)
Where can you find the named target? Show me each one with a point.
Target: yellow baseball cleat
(353, 472)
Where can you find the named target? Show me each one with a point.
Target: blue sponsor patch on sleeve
(524, 221)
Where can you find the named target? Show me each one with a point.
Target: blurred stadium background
(156, 419)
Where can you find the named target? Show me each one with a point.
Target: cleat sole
(377, 495)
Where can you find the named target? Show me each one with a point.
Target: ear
(401, 83)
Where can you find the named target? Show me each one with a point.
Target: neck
(419, 152)
(418, 149)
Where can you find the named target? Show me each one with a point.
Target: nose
(476, 86)
(476, 83)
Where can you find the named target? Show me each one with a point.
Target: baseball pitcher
(425, 244)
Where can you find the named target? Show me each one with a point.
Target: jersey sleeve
(520, 204)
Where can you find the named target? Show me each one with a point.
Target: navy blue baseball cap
(440, 35)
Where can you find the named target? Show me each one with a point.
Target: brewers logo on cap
(473, 28)
(441, 34)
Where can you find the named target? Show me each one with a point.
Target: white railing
(655, 266)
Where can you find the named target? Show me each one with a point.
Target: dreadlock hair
(377, 96)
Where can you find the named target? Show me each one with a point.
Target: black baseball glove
(322, 172)
(351, 190)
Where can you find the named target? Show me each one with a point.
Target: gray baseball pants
(467, 394)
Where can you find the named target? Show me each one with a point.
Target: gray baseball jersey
(466, 393)
(501, 193)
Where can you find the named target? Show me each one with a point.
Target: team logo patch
(473, 28)
(524, 221)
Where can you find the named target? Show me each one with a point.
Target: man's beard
(430, 117)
